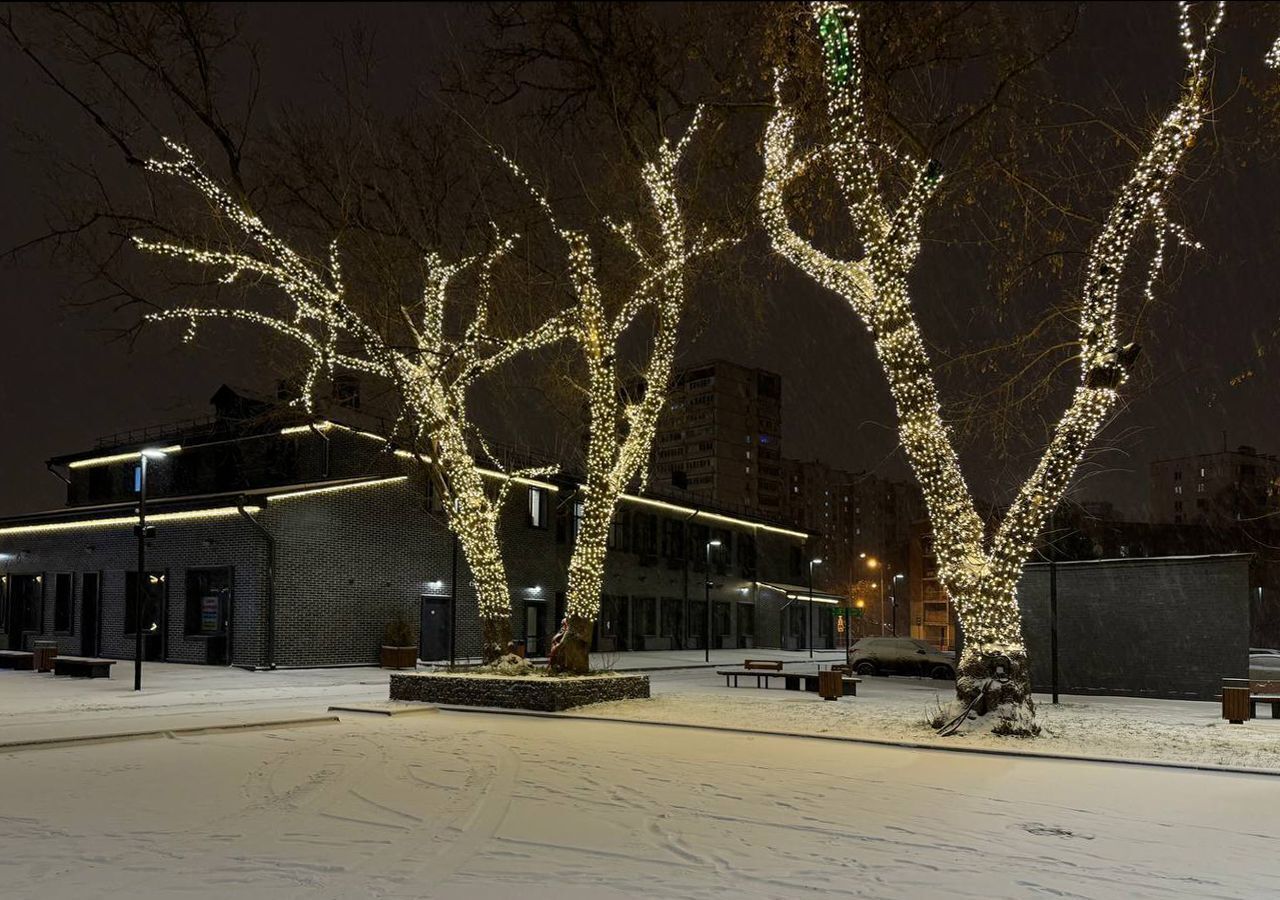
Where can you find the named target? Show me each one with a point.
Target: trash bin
(45, 653)
(830, 685)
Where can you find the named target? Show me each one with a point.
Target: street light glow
(872, 563)
(817, 562)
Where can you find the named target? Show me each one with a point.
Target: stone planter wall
(537, 693)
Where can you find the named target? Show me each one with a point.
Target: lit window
(537, 507)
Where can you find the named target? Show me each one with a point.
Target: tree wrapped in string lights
(622, 415)
(430, 368)
(980, 574)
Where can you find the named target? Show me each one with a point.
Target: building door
(535, 629)
(89, 614)
(435, 626)
(154, 613)
(24, 608)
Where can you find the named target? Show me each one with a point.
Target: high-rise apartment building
(1212, 488)
(720, 438)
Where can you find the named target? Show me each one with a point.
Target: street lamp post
(706, 594)
(873, 563)
(141, 531)
(812, 563)
(894, 597)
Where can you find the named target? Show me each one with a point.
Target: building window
(1199, 488)
(208, 602)
(62, 602)
(538, 507)
(1177, 489)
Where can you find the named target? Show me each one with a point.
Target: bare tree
(981, 576)
(622, 416)
(430, 369)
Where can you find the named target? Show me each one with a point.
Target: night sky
(62, 384)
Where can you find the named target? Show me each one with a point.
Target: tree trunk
(573, 649)
(586, 577)
(993, 693)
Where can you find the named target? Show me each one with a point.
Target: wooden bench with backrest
(17, 659)
(83, 666)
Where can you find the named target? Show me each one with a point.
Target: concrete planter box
(520, 692)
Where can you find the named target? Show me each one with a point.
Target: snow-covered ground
(176, 696)
(897, 709)
(479, 806)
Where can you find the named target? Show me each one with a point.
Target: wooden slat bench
(809, 682)
(17, 659)
(83, 666)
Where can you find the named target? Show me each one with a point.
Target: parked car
(1264, 664)
(905, 656)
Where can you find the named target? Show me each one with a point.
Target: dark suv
(904, 656)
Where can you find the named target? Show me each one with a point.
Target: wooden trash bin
(1235, 705)
(831, 686)
(44, 651)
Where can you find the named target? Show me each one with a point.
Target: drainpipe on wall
(324, 437)
(271, 576)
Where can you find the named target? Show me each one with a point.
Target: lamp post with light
(812, 563)
(141, 531)
(706, 594)
(873, 564)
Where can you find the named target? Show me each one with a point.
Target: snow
(897, 709)
(479, 805)
(483, 806)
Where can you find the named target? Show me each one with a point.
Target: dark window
(720, 555)
(644, 616)
(646, 536)
(208, 602)
(673, 539)
(62, 602)
(698, 537)
(747, 555)
(796, 562)
(152, 601)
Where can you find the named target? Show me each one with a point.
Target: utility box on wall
(1170, 627)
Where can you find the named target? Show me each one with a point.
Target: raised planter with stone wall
(526, 692)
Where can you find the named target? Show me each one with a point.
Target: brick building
(283, 540)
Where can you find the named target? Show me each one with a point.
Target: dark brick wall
(177, 547)
(347, 562)
(1155, 627)
(350, 560)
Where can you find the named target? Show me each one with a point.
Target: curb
(40, 743)
(881, 742)
(373, 710)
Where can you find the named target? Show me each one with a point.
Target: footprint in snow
(1053, 831)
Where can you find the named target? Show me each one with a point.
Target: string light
(620, 432)
(981, 580)
(431, 379)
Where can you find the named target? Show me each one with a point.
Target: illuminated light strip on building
(119, 457)
(408, 454)
(184, 516)
(377, 482)
(715, 517)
